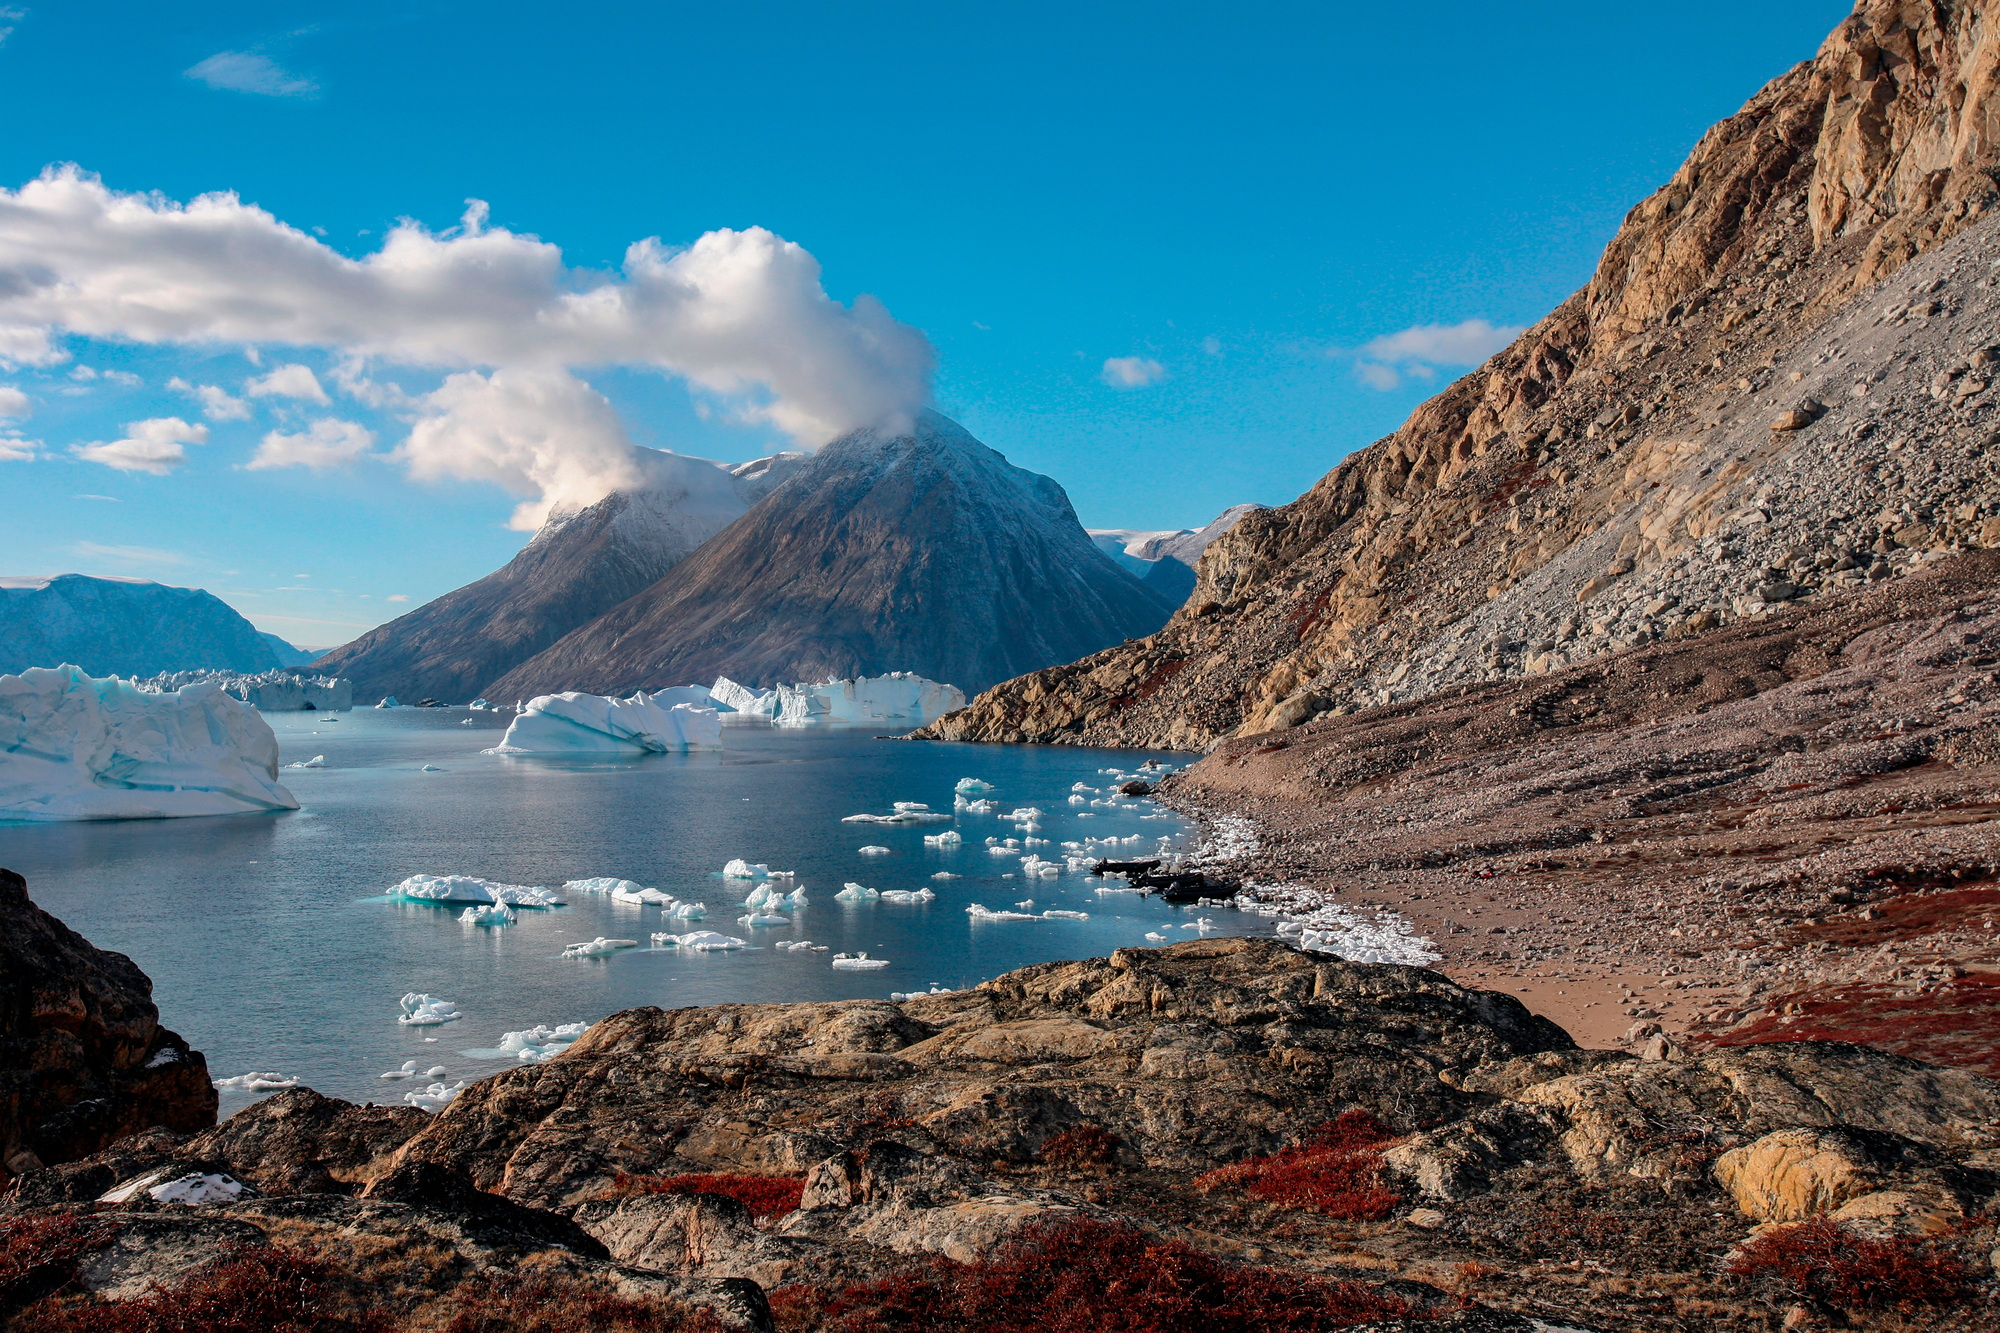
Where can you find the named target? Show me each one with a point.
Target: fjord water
(271, 946)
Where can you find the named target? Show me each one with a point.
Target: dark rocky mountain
(926, 552)
(579, 564)
(127, 627)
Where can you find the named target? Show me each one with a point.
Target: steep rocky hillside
(1775, 386)
(579, 563)
(926, 552)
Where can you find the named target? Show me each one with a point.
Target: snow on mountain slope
(1164, 559)
(125, 627)
(580, 563)
(926, 552)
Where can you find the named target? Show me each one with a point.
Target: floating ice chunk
(575, 723)
(764, 919)
(1035, 866)
(541, 1043)
(951, 837)
(946, 874)
(856, 893)
(434, 1098)
(196, 1188)
(1076, 800)
(433, 768)
(976, 807)
(427, 1011)
(741, 869)
(972, 786)
(688, 911)
(1059, 914)
(872, 851)
(639, 897)
(1156, 937)
(922, 814)
(1005, 849)
(979, 912)
(797, 897)
(467, 722)
(479, 705)
(908, 896)
(254, 1081)
(598, 947)
(73, 747)
(391, 702)
(900, 695)
(468, 889)
(700, 941)
(410, 1070)
(317, 761)
(742, 699)
(492, 914)
(857, 962)
(793, 946)
(1024, 815)
(898, 996)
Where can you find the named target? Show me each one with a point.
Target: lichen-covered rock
(299, 1142)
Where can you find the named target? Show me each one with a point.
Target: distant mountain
(926, 552)
(127, 627)
(1164, 559)
(579, 564)
(288, 656)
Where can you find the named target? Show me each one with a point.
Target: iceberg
(410, 1070)
(254, 1081)
(575, 723)
(317, 761)
(598, 947)
(741, 869)
(74, 747)
(1055, 914)
(856, 893)
(857, 962)
(427, 1011)
(872, 850)
(972, 787)
(434, 1098)
(452, 889)
(742, 699)
(701, 941)
(908, 896)
(492, 914)
(688, 911)
(907, 812)
(391, 702)
(948, 838)
(898, 696)
(268, 691)
(540, 1043)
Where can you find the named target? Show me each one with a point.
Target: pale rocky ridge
(1758, 396)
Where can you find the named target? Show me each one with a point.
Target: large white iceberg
(742, 699)
(575, 723)
(467, 889)
(76, 747)
(900, 696)
(268, 691)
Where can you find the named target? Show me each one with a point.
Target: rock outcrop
(927, 552)
(1776, 385)
(83, 1057)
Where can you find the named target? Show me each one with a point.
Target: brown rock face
(83, 1058)
(1634, 422)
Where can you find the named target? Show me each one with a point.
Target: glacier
(577, 723)
(900, 696)
(77, 747)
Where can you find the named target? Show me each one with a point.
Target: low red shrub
(552, 1305)
(1823, 1260)
(1084, 1276)
(764, 1196)
(1337, 1172)
(1080, 1146)
(39, 1253)
(258, 1289)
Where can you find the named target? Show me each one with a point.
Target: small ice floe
(1035, 867)
(946, 874)
(949, 838)
(873, 851)
(857, 962)
(468, 722)
(1079, 800)
(492, 914)
(908, 896)
(856, 893)
(906, 812)
(256, 1081)
(1059, 914)
(793, 946)
(478, 706)
(434, 1098)
(741, 869)
(699, 941)
(533, 1046)
(1156, 937)
(898, 996)
(975, 807)
(688, 911)
(972, 787)
(452, 889)
(317, 761)
(981, 912)
(427, 1011)
(432, 768)
(410, 1070)
(598, 947)
(764, 919)
(391, 702)
(770, 898)
(1025, 903)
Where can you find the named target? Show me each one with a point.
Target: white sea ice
(741, 869)
(793, 946)
(1035, 866)
(426, 1011)
(980, 912)
(1324, 926)
(764, 919)
(598, 947)
(492, 914)
(1156, 937)
(410, 1070)
(898, 696)
(872, 850)
(700, 941)
(317, 761)
(533, 1046)
(470, 889)
(254, 1081)
(979, 807)
(951, 837)
(688, 911)
(972, 786)
(197, 1188)
(1057, 914)
(577, 723)
(906, 812)
(698, 696)
(434, 1098)
(857, 962)
(74, 747)
(856, 893)
(946, 874)
(908, 896)
(743, 699)
(479, 705)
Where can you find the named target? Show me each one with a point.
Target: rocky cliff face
(927, 553)
(83, 1058)
(579, 564)
(1776, 385)
(127, 627)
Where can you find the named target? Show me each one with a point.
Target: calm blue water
(270, 948)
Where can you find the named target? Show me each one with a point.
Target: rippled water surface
(271, 948)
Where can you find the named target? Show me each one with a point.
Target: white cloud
(14, 449)
(14, 404)
(153, 445)
(248, 72)
(288, 381)
(544, 434)
(111, 498)
(9, 16)
(1416, 353)
(217, 404)
(397, 597)
(738, 313)
(22, 346)
(1132, 372)
(128, 555)
(328, 443)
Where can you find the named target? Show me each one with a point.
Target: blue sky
(1149, 246)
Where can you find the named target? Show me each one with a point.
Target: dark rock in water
(1136, 788)
(83, 1058)
(926, 552)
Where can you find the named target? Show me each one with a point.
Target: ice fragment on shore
(1324, 926)
(857, 962)
(255, 1081)
(898, 996)
(576, 723)
(427, 1011)
(469, 889)
(598, 947)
